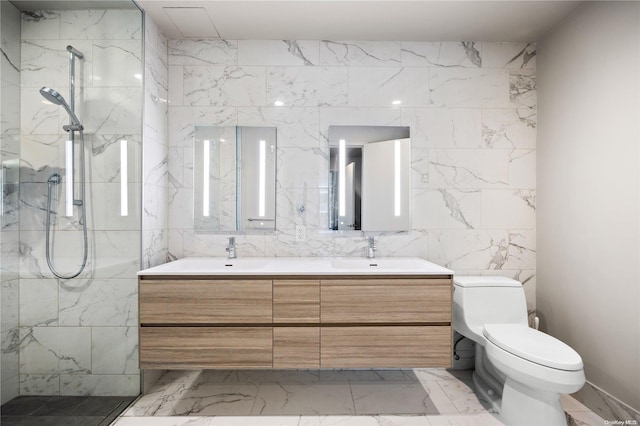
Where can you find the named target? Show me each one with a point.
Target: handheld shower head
(56, 98)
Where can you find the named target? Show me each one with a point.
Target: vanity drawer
(205, 347)
(385, 347)
(390, 300)
(296, 347)
(296, 301)
(205, 302)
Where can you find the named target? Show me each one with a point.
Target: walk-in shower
(75, 126)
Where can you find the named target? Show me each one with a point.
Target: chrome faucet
(371, 248)
(231, 248)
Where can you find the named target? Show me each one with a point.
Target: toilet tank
(486, 300)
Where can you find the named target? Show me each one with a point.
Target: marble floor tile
(462, 395)
(214, 399)
(164, 421)
(262, 421)
(303, 399)
(387, 397)
(365, 375)
(479, 419)
(431, 374)
(261, 376)
(584, 418)
(570, 404)
(400, 420)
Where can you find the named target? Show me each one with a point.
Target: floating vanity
(207, 313)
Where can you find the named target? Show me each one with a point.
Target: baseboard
(606, 405)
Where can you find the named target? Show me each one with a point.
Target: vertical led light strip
(342, 166)
(124, 179)
(68, 165)
(206, 158)
(262, 179)
(396, 178)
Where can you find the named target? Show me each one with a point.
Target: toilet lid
(485, 281)
(533, 345)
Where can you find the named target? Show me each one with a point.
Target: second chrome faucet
(231, 248)
(371, 247)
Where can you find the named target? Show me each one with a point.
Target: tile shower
(79, 336)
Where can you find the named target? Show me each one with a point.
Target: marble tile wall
(155, 187)
(9, 181)
(472, 112)
(79, 336)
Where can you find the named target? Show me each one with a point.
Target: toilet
(521, 371)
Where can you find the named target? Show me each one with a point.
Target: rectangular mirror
(234, 178)
(369, 170)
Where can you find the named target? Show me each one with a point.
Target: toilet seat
(533, 345)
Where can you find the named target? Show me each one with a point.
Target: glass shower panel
(79, 336)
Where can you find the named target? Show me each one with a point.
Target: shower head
(52, 96)
(56, 98)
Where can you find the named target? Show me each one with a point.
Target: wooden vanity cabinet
(386, 300)
(301, 322)
(187, 301)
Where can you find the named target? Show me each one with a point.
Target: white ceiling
(417, 20)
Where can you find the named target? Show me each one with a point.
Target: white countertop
(325, 266)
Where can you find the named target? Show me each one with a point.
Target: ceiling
(418, 20)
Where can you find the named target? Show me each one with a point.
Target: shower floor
(63, 410)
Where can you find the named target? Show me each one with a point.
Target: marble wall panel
(224, 86)
(441, 54)
(95, 24)
(278, 52)
(509, 55)
(370, 86)
(306, 86)
(360, 53)
(54, 350)
(202, 52)
(469, 87)
(157, 176)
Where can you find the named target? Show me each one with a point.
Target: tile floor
(420, 397)
(63, 410)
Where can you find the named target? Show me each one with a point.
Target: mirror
(234, 178)
(369, 170)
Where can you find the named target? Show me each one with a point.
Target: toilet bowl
(521, 371)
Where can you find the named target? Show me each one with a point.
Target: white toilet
(520, 370)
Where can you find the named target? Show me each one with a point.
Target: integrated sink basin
(380, 263)
(299, 266)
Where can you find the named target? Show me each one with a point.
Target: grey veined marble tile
(320, 398)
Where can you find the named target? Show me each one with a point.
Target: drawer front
(205, 347)
(296, 301)
(386, 301)
(296, 347)
(205, 302)
(385, 347)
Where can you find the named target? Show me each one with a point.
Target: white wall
(588, 289)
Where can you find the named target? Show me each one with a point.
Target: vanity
(307, 313)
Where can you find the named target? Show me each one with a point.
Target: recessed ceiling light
(396, 102)
(138, 76)
(278, 103)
